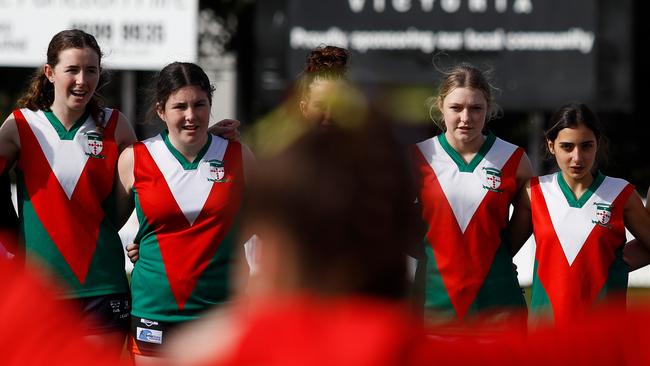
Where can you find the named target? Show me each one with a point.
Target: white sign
(133, 34)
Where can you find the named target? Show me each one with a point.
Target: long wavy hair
(40, 93)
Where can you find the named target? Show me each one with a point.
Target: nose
(81, 78)
(327, 116)
(464, 115)
(577, 155)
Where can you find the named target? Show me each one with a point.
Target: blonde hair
(462, 76)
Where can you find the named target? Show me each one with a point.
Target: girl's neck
(466, 149)
(189, 150)
(578, 186)
(66, 116)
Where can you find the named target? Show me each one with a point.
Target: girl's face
(317, 106)
(464, 111)
(75, 77)
(575, 151)
(186, 114)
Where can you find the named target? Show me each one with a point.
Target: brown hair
(323, 63)
(345, 198)
(463, 76)
(40, 93)
(571, 115)
(173, 77)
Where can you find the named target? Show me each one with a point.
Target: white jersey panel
(465, 190)
(191, 187)
(67, 158)
(574, 224)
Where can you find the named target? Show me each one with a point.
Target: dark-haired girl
(65, 146)
(579, 217)
(187, 187)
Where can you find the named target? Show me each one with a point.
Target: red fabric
(463, 268)
(353, 331)
(363, 332)
(72, 224)
(570, 294)
(188, 249)
(35, 329)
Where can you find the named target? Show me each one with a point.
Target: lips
(78, 93)
(191, 128)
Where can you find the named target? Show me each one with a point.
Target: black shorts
(147, 336)
(104, 313)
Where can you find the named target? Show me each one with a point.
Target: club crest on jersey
(492, 179)
(603, 214)
(216, 171)
(93, 144)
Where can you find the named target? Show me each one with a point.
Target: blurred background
(542, 53)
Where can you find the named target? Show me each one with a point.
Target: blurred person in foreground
(335, 212)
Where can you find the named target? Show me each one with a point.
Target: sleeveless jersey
(187, 214)
(466, 207)
(64, 178)
(580, 242)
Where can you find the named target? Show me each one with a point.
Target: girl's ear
(549, 146)
(49, 72)
(303, 106)
(160, 110)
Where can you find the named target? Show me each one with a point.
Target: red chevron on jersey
(186, 247)
(573, 287)
(464, 257)
(72, 223)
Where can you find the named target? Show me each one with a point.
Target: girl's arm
(637, 219)
(122, 189)
(520, 226)
(9, 144)
(9, 151)
(124, 134)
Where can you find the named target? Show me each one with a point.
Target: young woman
(187, 187)
(579, 217)
(319, 82)
(319, 86)
(65, 146)
(334, 224)
(468, 179)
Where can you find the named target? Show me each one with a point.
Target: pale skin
(316, 106)
(189, 106)
(575, 151)
(186, 115)
(464, 111)
(75, 78)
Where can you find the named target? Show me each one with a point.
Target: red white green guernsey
(466, 207)
(187, 213)
(64, 178)
(578, 260)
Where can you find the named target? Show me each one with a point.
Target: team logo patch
(93, 145)
(603, 214)
(149, 335)
(215, 171)
(492, 179)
